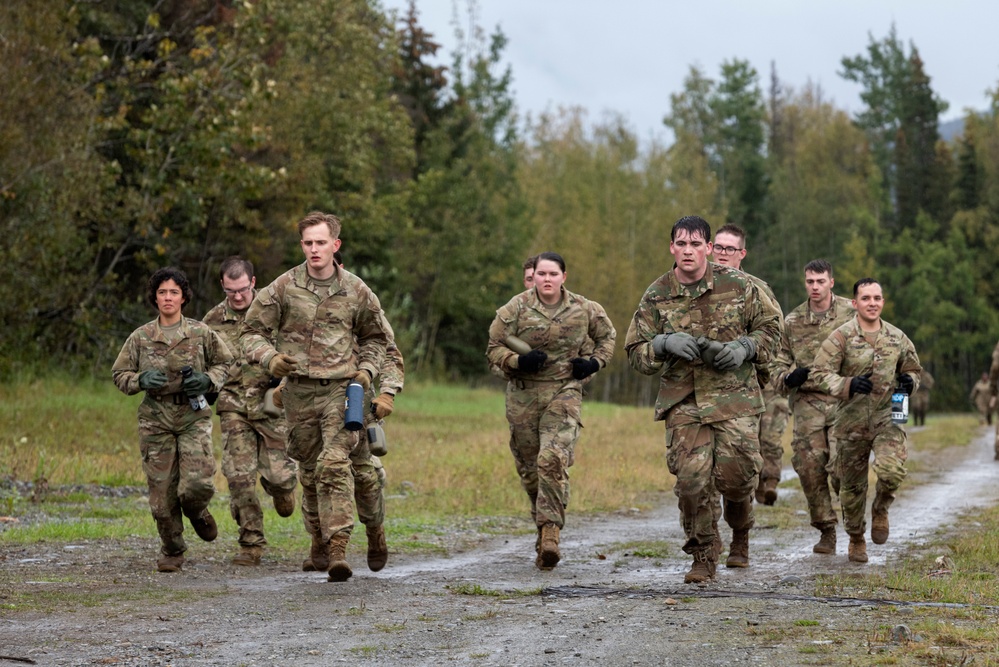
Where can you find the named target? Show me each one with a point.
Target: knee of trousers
(890, 471)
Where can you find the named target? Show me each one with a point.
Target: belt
(322, 382)
(532, 384)
(176, 399)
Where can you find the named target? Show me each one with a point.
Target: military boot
(248, 556)
(770, 491)
(319, 558)
(284, 503)
(377, 547)
(170, 563)
(548, 555)
(339, 569)
(879, 526)
(204, 525)
(738, 551)
(701, 570)
(537, 542)
(858, 549)
(827, 541)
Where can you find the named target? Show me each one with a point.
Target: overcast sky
(628, 56)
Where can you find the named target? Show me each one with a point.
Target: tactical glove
(906, 383)
(151, 380)
(383, 405)
(678, 344)
(709, 349)
(281, 365)
(196, 383)
(734, 354)
(532, 361)
(584, 368)
(797, 377)
(861, 384)
(362, 378)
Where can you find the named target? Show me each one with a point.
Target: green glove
(680, 344)
(196, 383)
(709, 349)
(151, 380)
(734, 354)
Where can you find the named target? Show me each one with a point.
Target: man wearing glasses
(253, 441)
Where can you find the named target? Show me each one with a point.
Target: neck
(550, 300)
(169, 320)
(869, 327)
(821, 306)
(323, 274)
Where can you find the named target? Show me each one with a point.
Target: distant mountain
(951, 129)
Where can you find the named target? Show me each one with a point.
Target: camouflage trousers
(854, 452)
(772, 425)
(249, 448)
(721, 457)
(814, 454)
(329, 456)
(544, 422)
(177, 459)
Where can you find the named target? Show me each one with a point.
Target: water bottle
(198, 402)
(376, 439)
(899, 406)
(354, 419)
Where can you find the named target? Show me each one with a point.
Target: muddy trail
(484, 604)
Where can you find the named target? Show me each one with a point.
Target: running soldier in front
(709, 395)
(253, 441)
(812, 447)
(861, 363)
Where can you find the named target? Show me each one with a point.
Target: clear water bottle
(198, 402)
(899, 406)
(354, 418)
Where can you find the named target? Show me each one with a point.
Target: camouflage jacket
(579, 326)
(148, 348)
(804, 332)
(317, 326)
(392, 375)
(994, 371)
(847, 353)
(926, 383)
(765, 371)
(724, 306)
(980, 395)
(244, 390)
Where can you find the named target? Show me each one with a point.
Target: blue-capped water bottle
(354, 419)
(899, 406)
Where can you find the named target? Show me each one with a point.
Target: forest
(143, 133)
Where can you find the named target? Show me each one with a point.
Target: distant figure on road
(920, 401)
(980, 397)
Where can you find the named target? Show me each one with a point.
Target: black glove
(906, 383)
(861, 384)
(532, 361)
(196, 383)
(584, 368)
(152, 380)
(797, 377)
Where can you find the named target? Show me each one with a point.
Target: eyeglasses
(726, 250)
(234, 292)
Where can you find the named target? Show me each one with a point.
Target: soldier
(994, 389)
(920, 401)
(253, 441)
(980, 397)
(529, 265)
(730, 250)
(544, 391)
(304, 326)
(709, 394)
(175, 434)
(861, 363)
(812, 447)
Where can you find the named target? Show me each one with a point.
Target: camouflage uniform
(543, 408)
(994, 389)
(863, 422)
(252, 442)
(812, 447)
(317, 324)
(920, 401)
(980, 396)
(174, 440)
(712, 417)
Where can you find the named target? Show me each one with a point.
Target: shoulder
(216, 315)
(198, 327)
(516, 304)
(797, 313)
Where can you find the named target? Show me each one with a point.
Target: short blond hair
(319, 218)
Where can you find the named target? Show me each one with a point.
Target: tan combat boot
(284, 504)
(204, 525)
(738, 551)
(701, 571)
(879, 526)
(827, 542)
(377, 547)
(170, 563)
(858, 549)
(248, 556)
(548, 555)
(339, 569)
(319, 558)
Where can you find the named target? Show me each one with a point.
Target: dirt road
(487, 605)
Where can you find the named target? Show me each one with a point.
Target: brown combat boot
(537, 542)
(284, 504)
(858, 549)
(204, 525)
(701, 571)
(766, 492)
(548, 555)
(879, 526)
(377, 547)
(248, 556)
(170, 563)
(339, 569)
(827, 542)
(319, 558)
(738, 551)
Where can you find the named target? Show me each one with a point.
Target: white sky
(628, 56)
